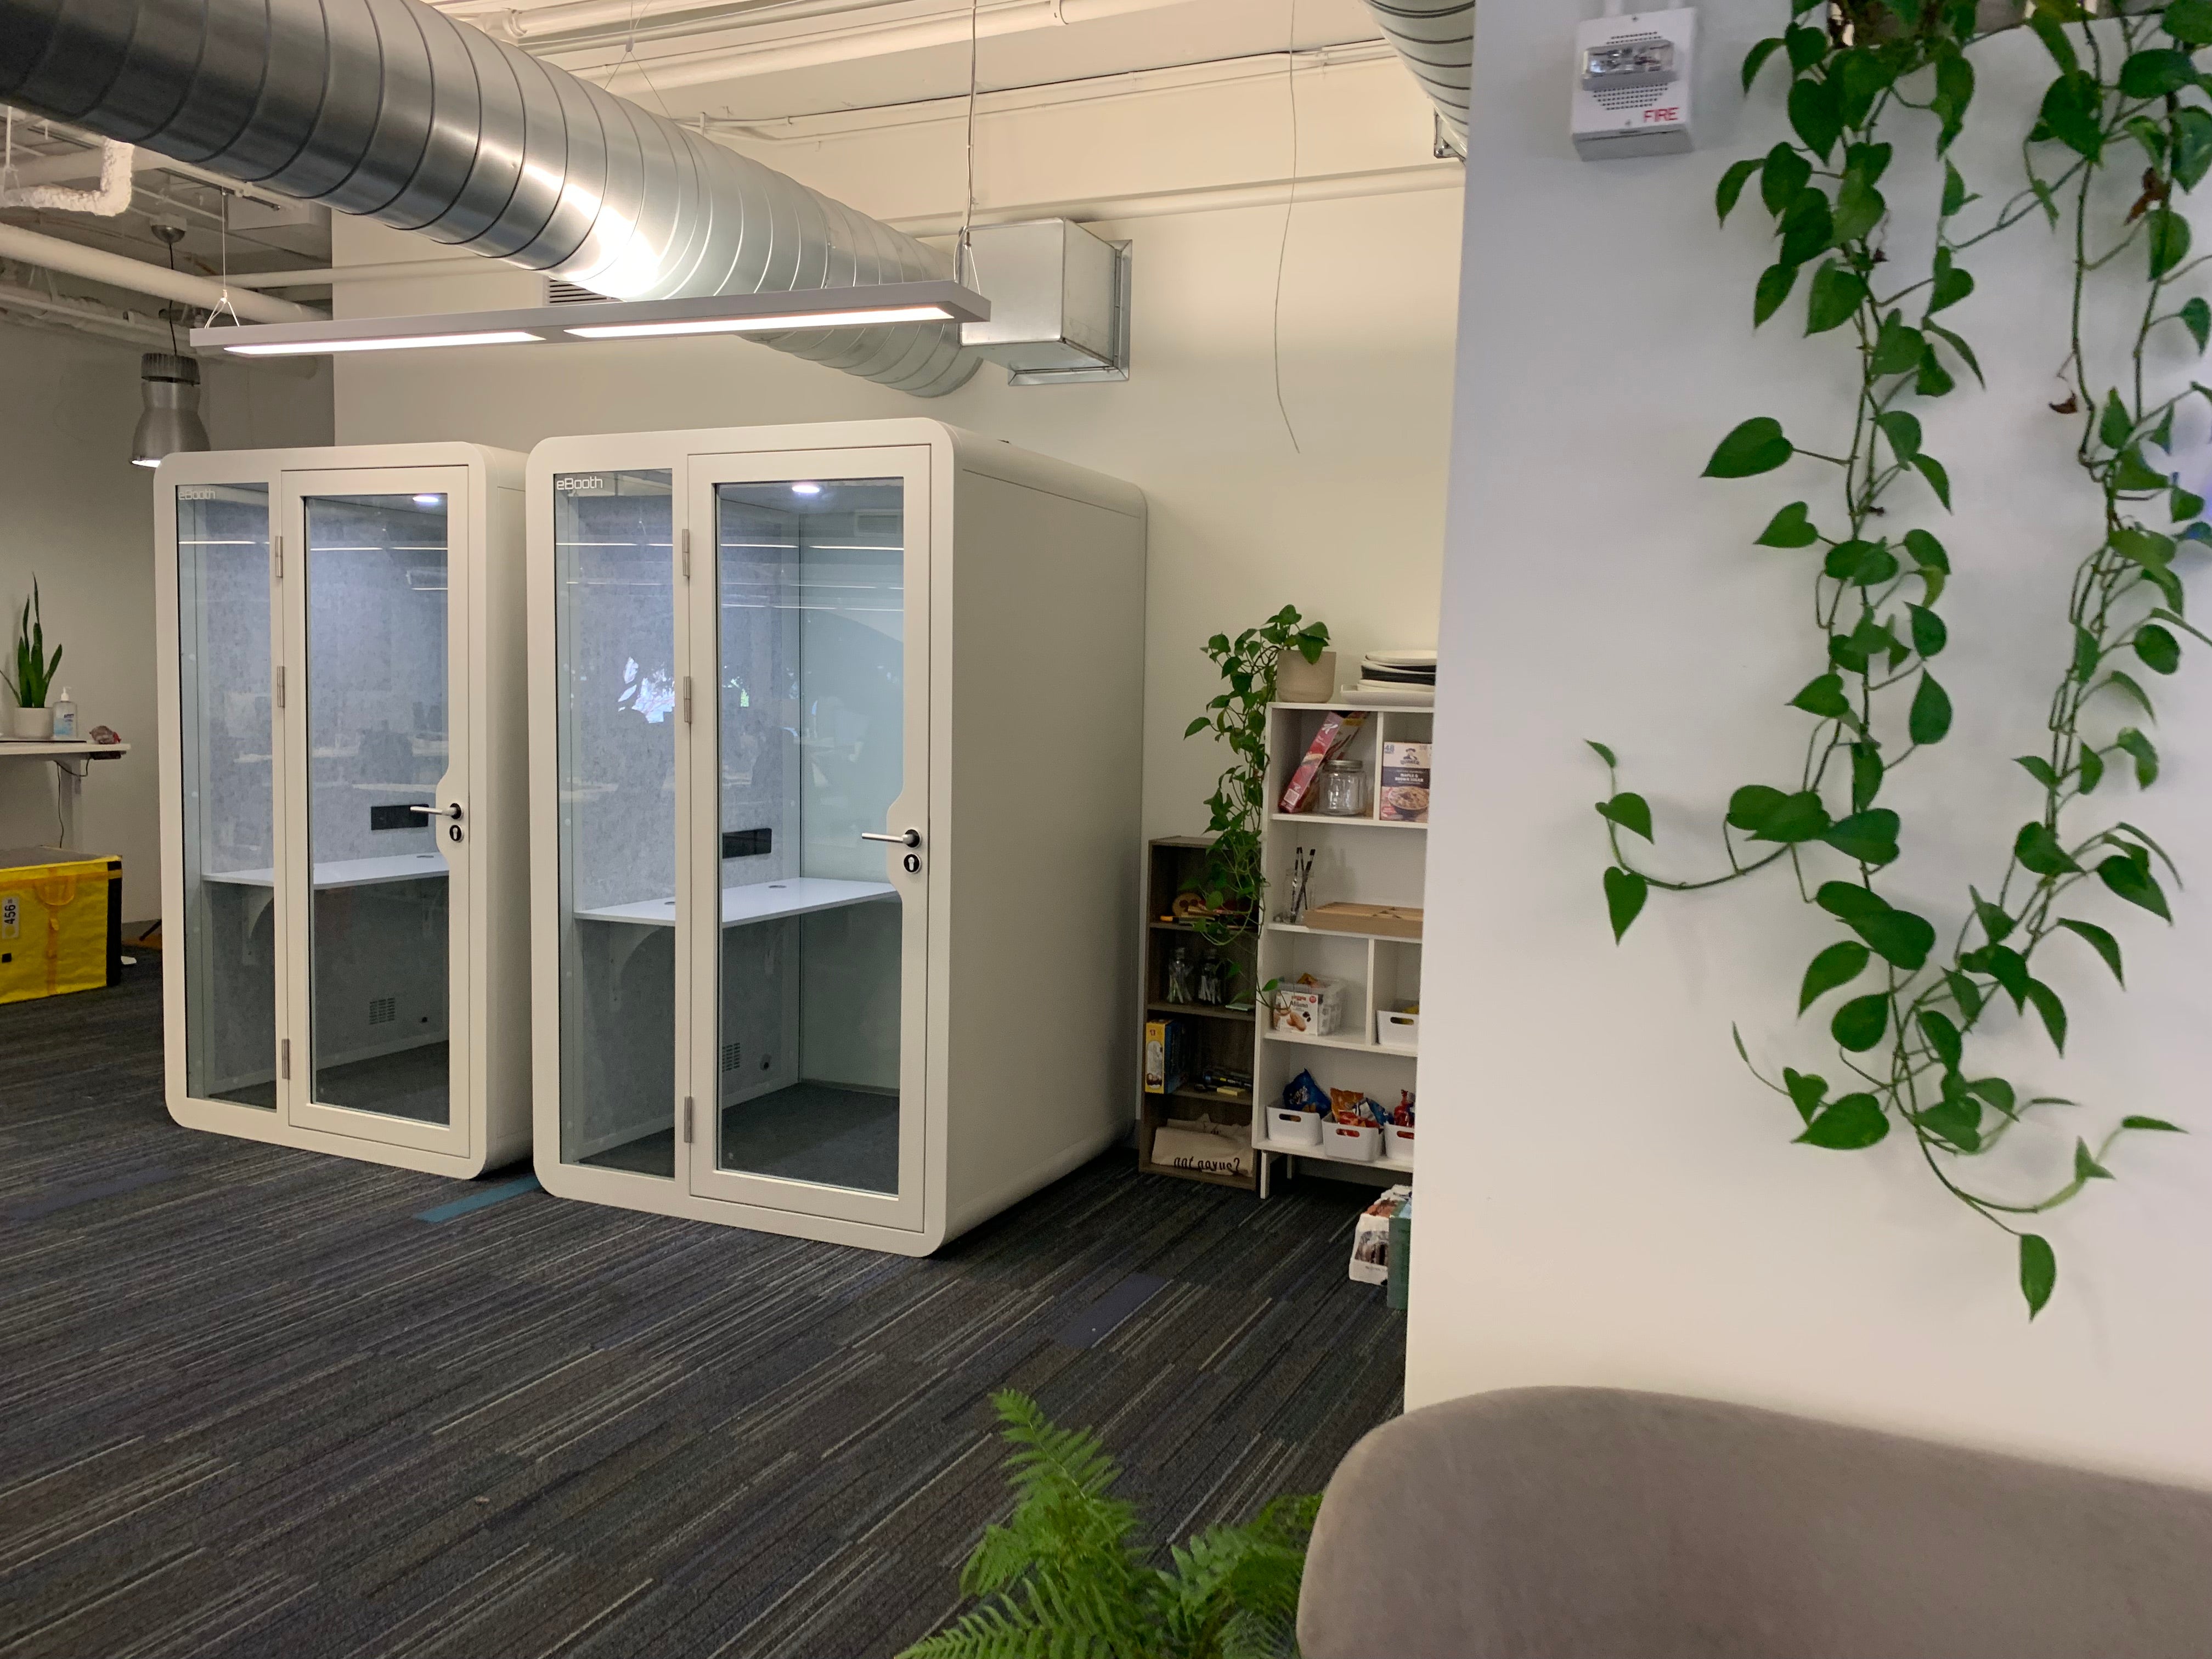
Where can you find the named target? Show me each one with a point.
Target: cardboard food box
(1162, 1056)
(1333, 737)
(1312, 1008)
(1388, 921)
(1404, 796)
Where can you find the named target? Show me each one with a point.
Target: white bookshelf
(1365, 860)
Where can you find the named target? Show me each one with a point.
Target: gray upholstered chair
(1596, 1523)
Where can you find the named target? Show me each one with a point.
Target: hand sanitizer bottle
(64, 718)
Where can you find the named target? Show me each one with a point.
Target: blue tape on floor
(32, 1209)
(1111, 1311)
(483, 1200)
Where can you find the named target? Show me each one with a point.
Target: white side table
(72, 761)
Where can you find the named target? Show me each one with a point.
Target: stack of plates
(1407, 676)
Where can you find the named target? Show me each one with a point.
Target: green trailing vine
(2128, 91)
(1235, 880)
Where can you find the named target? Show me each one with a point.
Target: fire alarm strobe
(1632, 84)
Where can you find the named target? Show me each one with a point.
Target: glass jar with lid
(1344, 789)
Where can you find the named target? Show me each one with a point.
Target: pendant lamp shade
(170, 386)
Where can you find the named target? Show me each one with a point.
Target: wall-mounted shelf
(1355, 1044)
(1322, 819)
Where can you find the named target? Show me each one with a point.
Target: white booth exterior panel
(341, 641)
(748, 1009)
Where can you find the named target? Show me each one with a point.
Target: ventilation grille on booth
(382, 1011)
(733, 1055)
(1629, 97)
(558, 293)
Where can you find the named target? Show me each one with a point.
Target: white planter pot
(1298, 680)
(33, 725)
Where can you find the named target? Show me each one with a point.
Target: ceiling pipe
(1437, 40)
(78, 316)
(96, 265)
(108, 199)
(393, 111)
(1082, 210)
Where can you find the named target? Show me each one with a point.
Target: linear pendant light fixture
(936, 301)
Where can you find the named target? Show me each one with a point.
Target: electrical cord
(963, 264)
(1282, 247)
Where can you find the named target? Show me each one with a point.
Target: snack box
(1405, 794)
(1310, 1010)
(1336, 733)
(1162, 1056)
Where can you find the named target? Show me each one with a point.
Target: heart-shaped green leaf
(2129, 880)
(1630, 811)
(2038, 1272)
(1757, 445)
(2099, 941)
(1624, 893)
(1791, 528)
(1840, 965)
(1849, 1124)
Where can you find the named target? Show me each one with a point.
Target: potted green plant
(1067, 1574)
(1234, 883)
(33, 678)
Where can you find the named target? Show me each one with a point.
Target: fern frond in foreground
(1065, 1576)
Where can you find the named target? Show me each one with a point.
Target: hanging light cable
(169, 389)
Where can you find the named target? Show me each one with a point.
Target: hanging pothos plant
(1235, 880)
(2128, 95)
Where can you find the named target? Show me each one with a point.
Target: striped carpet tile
(257, 1407)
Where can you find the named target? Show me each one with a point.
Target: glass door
(225, 758)
(616, 712)
(373, 893)
(809, 837)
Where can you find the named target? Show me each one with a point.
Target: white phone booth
(344, 796)
(836, 755)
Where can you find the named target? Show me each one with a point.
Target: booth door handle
(910, 838)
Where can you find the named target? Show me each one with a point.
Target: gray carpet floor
(255, 1406)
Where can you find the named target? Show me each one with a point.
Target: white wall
(78, 517)
(1606, 1197)
(1350, 530)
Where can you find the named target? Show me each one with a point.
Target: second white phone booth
(836, 754)
(343, 771)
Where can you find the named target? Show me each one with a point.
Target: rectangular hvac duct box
(1059, 301)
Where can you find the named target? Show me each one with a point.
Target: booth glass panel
(617, 712)
(224, 750)
(378, 918)
(810, 689)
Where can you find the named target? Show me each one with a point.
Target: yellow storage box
(61, 922)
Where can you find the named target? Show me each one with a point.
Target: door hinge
(284, 1060)
(687, 554)
(280, 688)
(687, 700)
(687, 1120)
(276, 551)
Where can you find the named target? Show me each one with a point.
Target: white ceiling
(593, 37)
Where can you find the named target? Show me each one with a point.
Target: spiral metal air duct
(391, 109)
(1437, 40)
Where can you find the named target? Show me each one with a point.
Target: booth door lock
(451, 811)
(913, 862)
